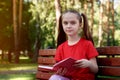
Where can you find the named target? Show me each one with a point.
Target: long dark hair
(86, 33)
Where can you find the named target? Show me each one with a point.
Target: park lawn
(25, 64)
(17, 77)
(12, 66)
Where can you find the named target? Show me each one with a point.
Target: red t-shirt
(84, 49)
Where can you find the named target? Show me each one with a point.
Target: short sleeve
(58, 55)
(91, 51)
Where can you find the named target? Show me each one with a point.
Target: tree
(107, 22)
(58, 13)
(100, 38)
(16, 43)
(113, 26)
(92, 15)
(20, 19)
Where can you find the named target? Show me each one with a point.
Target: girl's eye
(65, 23)
(73, 22)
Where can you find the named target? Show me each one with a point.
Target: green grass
(11, 66)
(25, 64)
(114, 77)
(17, 77)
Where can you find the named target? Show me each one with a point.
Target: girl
(76, 44)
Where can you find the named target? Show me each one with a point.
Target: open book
(66, 63)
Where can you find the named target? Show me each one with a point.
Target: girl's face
(71, 24)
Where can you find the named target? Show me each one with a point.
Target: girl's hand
(83, 63)
(61, 71)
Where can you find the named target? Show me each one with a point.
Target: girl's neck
(73, 40)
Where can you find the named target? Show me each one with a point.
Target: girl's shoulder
(63, 44)
(85, 41)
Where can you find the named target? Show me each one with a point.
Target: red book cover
(66, 63)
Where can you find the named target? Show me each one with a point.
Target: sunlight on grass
(21, 79)
(17, 66)
(25, 64)
(18, 77)
(24, 57)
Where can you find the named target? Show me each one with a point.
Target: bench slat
(44, 70)
(109, 71)
(47, 52)
(43, 75)
(108, 79)
(108, 61)
(109, 50)
(46, 60)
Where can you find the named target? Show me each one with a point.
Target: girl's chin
(70, 34)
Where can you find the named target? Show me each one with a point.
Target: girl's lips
(68, 30)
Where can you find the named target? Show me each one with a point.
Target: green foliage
(46, 21)
(41, 13)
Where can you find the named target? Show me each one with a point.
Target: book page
(45, 67)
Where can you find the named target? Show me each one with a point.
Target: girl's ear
(80, 30)
(81, 26)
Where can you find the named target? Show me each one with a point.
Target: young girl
(74, 40)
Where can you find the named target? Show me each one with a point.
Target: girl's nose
(69, 25)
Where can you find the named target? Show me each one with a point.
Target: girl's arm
(84, 63)
(93, 65)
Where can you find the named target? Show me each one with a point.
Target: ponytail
(61, 34)
(86, 32)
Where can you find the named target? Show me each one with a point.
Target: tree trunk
(10, 56)
(20, 21)
(58, 13)
(92, 16)
(107, 22)
(85, 7)
(113, 27)
(16, 52)
(100, 26)
(37, 44)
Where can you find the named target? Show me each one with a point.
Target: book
(66, 63)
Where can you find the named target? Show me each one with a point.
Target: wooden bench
(108, 61)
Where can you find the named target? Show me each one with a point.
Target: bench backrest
(46, 57)
(108, 62)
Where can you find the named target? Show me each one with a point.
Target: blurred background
(29, 25)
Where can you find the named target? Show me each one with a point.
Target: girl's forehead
(69, 15)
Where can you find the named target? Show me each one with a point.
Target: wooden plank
(109, 50)
(47, 52)
(109, 71)
(43, 75)
(44, 70)
(108, 79)
(46, 60)
(108, 61)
